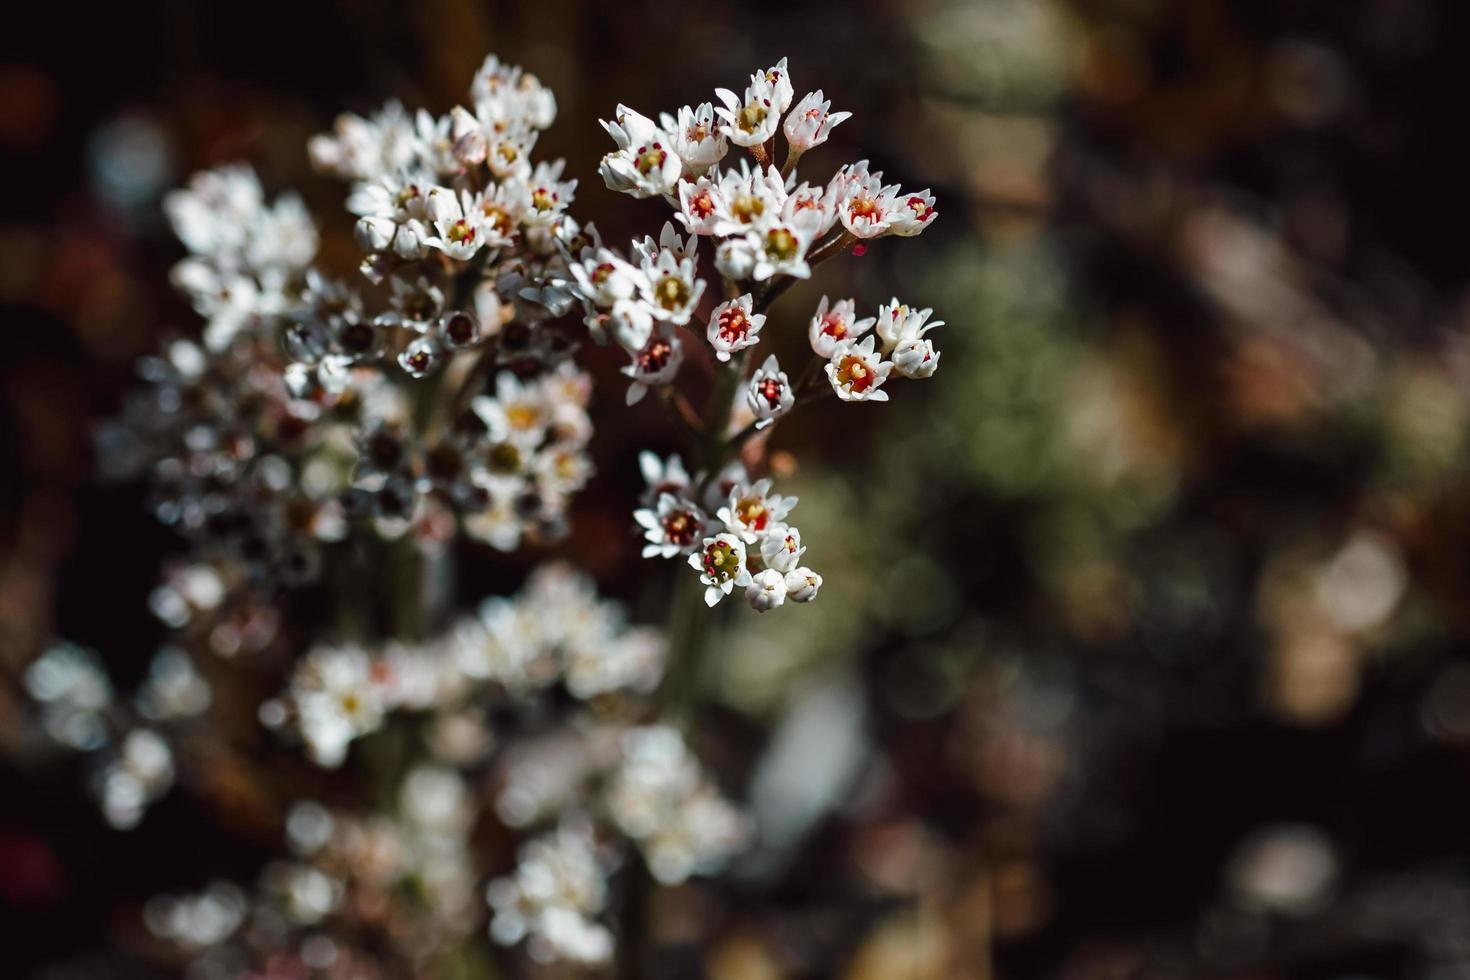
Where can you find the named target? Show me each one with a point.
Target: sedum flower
(553, 898)
(810, 122)
(857, 373)
(702, 206)
(671, 290)
(644, 164)
(458, 223)
(766, 591)
(337, 700)
(753, 119)
(802, 584)
(662, 476)
(833, 325)
(655, 364)
(733, 326)
(781, 549)
(721, 563)
(752, 510)
(673, 527)
(769, 394)
(694, 134)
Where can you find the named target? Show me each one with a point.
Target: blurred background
(1149, 659)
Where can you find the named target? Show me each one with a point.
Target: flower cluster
(660, 797)
(767, 230)
(724, 530)
(653, 792)
(345, 870)
(430, 396)
(557, 630)
(554, 897)
(130, 741)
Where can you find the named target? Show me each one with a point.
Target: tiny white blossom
(695, 136)
(661, 476)
(810, 123)
(644, 164)
(755, 118)
(735, 258)
(752, 510)
(782, 549)
(769, 395)
(857, 373)
(702, 206)
(671, 289)
(654, 364)
(733, 327)
(721, 564)
(457, 223)
(802, 585)
(766, 591)
(833, 325)
(674, 527)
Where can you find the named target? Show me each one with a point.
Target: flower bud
(766, 590)
(802, 585)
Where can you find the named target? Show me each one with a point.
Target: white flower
(754, 119)
(915, 357)
(733, 327)
(501, 210)
(648, 250)
(897, 320)
(506, 93)
(857, 373)
(631, 322)
(912, 213)
(422, 356)
(721, 564)
(780, 250)
(660, 797)
(364, 149)
(701, 206)
(670, 288)
(508, 154)
(336, 701)
(674, 527)
(769, 395)
(549, 194)
(831, 326)
(748, 199)
(782, 549)
(809, 123)
(393, 211)
(661, 476)
(812, 209)
(457, 223)
(656, 363)
(766, 591)
(467, 137)
(751, 510)
(644, 164)
(696, 138)
(603, 278)
(869, 209)
(735, 258)
(558, 888)
(864, 205)
(802, 585)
